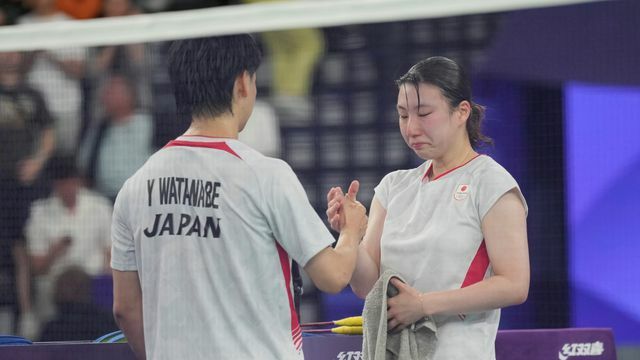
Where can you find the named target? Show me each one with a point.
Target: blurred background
(80, 113)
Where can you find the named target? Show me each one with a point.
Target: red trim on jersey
(448, 171)
(426, 173)
(221, 145)
(208, 137)
(296, 332)
(478, 266)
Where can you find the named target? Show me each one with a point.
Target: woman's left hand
(405, 308)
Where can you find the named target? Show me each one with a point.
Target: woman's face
(429, 126)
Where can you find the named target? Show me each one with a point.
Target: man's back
(213, 225)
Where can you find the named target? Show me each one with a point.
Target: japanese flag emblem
(462, 192)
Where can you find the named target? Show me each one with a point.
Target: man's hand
(353, 215)
(332, 268)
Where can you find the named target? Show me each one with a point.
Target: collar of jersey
(425, 178)
(203, 138)
(204, 142)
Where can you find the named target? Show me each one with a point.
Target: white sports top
(210, 226)
(432, 236)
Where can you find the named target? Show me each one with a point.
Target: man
(121, 143)
(57, 74)
(204, 231)
(26, 143)
(69, 228)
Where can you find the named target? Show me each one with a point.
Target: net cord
(248, 18)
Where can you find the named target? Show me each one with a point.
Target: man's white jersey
(432, 235)
(211, 225)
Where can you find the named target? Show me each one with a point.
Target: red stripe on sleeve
(296, 332)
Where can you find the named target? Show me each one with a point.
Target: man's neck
(224, 126)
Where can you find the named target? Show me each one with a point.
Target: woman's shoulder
(485, 165)
(403, 175)
(409, 173)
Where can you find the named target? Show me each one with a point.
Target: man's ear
(242, 84)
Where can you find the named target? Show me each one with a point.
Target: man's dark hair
(203, 72)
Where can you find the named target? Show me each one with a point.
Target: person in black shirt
(26, 143)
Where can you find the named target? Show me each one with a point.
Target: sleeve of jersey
(295, 224)
(382, 190)
(123, 257)
(493, 184)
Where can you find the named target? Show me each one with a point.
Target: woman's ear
(463, 111)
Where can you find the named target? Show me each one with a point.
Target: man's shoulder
(258, 161)
(273, 168)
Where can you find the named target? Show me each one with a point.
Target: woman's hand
(335, 199)
(405, 308)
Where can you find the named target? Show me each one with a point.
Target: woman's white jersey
(432, 235)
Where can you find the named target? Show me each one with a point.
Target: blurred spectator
(294, 55)
(57, 74)
(78, 318)
(167, 123)
(69, 228)
(121, 142)
(119, 8)
(10, 10)
(131, 60)
(80, 9)
(177, 5)
(26, 142)
(262, 131)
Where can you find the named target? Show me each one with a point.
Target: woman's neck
(452, 160)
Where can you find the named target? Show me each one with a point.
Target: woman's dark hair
(452, 80)
(203, 72)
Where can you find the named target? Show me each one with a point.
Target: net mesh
(326, 105)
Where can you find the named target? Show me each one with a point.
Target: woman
(454, 227)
